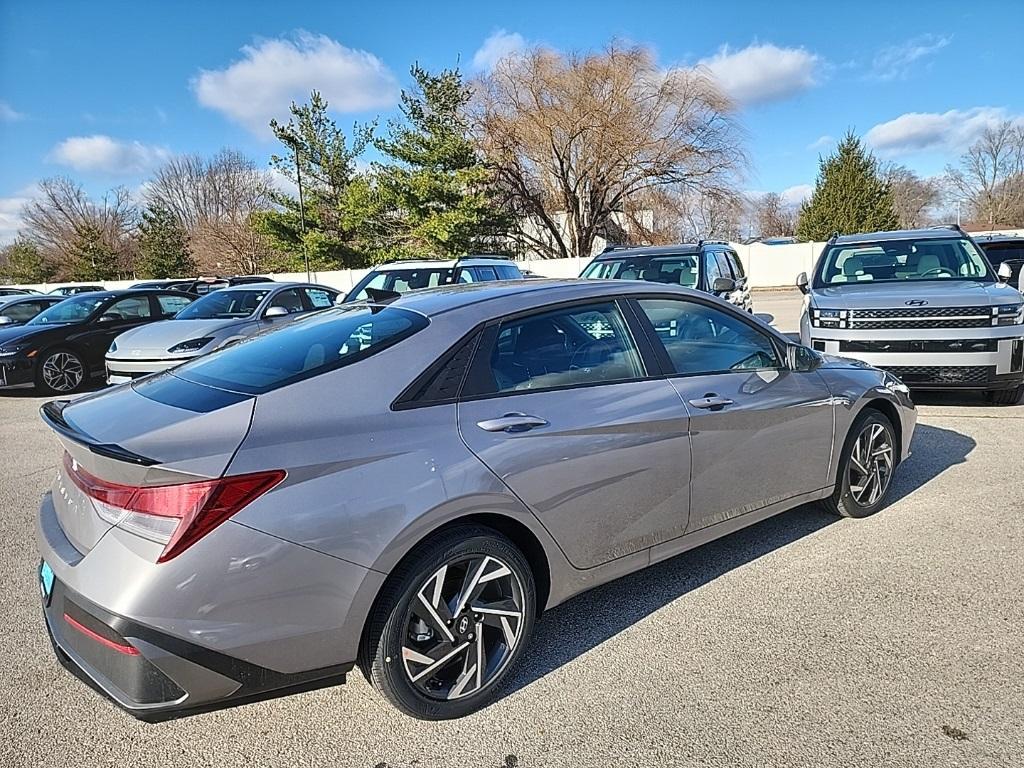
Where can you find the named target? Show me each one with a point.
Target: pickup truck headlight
(192, 345)
(828, 318)
(1008, 314)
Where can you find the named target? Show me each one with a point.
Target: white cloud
(102, 154)
(8, 114)
(10, 217)
(762, 73)
(500, 45)
(796, 194)
(282, 183)
(273, 73)
(954, 130)
(896, 62)
(822, 142)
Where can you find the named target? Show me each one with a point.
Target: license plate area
(45, 581)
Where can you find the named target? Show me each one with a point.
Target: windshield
(681, 269)
(319, 342)
(73, 310)
(904, 260)
(402, 280)
(1011, 253)
(223, 304)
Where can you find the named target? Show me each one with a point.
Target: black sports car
(62, 347)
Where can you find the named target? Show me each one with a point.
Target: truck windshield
(902, 260)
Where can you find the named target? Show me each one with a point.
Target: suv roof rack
(955, 227)
(833, 237)
(701, 243)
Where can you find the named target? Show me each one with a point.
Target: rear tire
(1005, 396)
(60, 372)
(462, 601)
(866, 467)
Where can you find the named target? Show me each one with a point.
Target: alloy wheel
(871, 463)
(62, 372)
(462, 627)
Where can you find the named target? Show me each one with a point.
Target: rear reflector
(124, 648)
(175, 515)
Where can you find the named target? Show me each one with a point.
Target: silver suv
(924, 305)
(412, 274)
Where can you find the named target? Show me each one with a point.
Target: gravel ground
(802, 641)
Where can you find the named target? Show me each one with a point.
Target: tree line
(547, 155)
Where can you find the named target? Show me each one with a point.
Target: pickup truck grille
(921, 317)
(941, 374)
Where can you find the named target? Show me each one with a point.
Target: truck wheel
(1005, 396)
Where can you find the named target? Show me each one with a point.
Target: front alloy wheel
(61, 372)
(457, 615)
(866, 466)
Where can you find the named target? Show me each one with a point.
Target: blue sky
(104, 91)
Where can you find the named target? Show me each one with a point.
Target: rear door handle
(512, 422)
(711, 401)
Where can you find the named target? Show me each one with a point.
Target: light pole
(302, 208)
(958, 212)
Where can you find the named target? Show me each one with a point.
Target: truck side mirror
(801, 282)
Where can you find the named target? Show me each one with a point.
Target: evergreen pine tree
(91, 258)
(435, 199)
(849, 196)
(23, 262)
(164, 246)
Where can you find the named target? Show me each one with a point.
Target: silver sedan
(404, 486)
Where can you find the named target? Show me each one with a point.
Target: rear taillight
(175, 515)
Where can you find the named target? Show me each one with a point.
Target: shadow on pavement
(585, 621)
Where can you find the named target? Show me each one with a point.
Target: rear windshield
(672, 270)
(222, 304)
(320, 342)
(903, 260)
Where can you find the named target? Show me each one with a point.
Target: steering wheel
(589, 347)
(939, 270)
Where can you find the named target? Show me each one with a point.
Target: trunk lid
(158, 432)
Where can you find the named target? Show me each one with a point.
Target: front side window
(679, 269)
(129, 309)
(903, 260)
(224, 304)
(309, 346)
(713, 268)
(702, 339)
(23, 311)
(288, 300)
(567, 347)
(508, 272)
(737, 265)
(73, 310)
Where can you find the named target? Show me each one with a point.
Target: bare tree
(215, 199)
(56, 218)
(990, 177)
(574, 139)
(915, 199)
(773, 217)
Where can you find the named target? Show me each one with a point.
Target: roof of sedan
(433, 301)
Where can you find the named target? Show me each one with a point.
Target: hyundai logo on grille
(915, 303)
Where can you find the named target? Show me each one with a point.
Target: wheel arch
(888, 409)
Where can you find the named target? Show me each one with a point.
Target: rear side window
(26, 310)
(508, 272)
(737, 265)
(486, 273)
(172, 305)
(312, 345)
(319, 298)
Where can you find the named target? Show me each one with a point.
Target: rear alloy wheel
(60, 371)
(456, 617)
(866, 467)
(1005, 396)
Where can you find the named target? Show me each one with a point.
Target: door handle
(512, 422)
(711, 401)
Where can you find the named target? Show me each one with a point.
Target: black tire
(390, 664)
(844, 500)
(1005, 396)
(45, 381)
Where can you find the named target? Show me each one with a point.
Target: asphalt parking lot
(802, 641)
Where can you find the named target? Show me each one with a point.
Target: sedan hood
(154, 339)
(945, 293)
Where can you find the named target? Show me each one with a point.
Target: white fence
(767, 266)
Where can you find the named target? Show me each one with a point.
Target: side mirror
(723, 285)
(801, 359)
(5, 320)
(801, 282)
(1004, 273)
(275, 312)
(108, 318)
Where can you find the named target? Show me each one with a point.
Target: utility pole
(958, 212)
